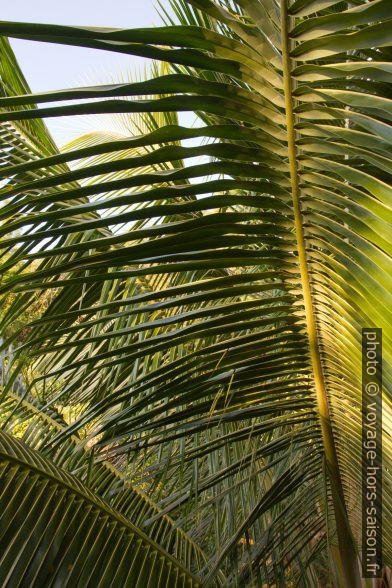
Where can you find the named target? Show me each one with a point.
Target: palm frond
(206, 317)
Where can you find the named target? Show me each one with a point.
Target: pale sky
(50, 66)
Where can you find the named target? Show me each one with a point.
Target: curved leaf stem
(347, 550)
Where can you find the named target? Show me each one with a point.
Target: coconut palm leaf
(24, 417)
(214, 339)
(65, 533)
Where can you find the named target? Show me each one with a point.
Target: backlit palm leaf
(215, 340)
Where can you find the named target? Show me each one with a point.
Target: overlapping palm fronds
(205, 321)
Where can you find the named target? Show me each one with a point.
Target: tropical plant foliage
(184, 407)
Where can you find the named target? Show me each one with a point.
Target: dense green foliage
(181, 400)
